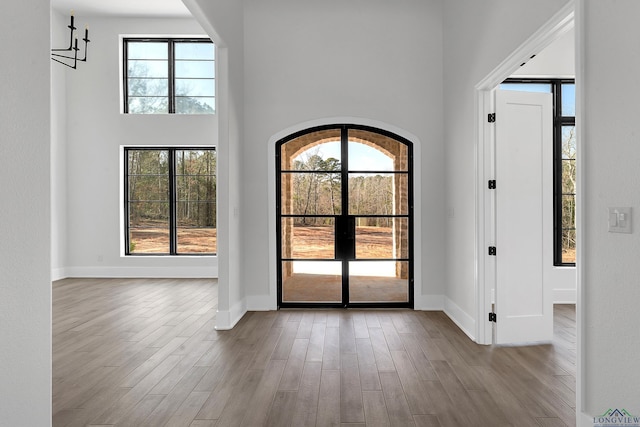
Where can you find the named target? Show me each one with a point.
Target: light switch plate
(620, 220)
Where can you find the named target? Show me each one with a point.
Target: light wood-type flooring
(146, 353)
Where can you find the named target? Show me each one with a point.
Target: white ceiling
(146, 8)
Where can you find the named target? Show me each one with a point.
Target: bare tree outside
(568, 194)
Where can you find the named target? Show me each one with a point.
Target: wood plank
(100, 399)
(331, 351)
(188, 410)
(282, 319)
(227, 385)
(372, 320)
(550, 422)
(418, 357)
(142, 410)
(282, 408)
(333, 319)
(320, 317)
(507, 398)
(487, 409)
(227, 367)
(262, 398)
(306, 324)
(450, 382)
(176, 397)
(465, 373)
(360, 327)
(182, 368)
(426, 421)
(120, 409)
(235, 408)
(306, 408)
(150, 364)
(351, 409)
(384, 362)
(396, 400)
(294, 366)
(447, 411)
(369, 379)
(203, 423)
(316, 342)
(329, 399)
(266, 348)
(402, 323)
(375, 410)
(347, 334)
(412, 385)
(391, 335)
(283, 348)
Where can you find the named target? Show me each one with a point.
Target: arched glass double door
(344, 218)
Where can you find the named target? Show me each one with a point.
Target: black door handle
(345, 245)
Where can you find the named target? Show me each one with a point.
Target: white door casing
(524, 210)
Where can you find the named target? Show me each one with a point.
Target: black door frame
(345, 223)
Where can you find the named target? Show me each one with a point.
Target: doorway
(486, 224)
(344, 223)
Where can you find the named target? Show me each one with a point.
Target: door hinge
(492, 184)
(493, 317)
(491, 117)
(492, 250)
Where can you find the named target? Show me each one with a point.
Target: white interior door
(524, 201)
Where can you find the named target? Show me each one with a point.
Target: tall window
(170, 201)
(169, 76)
(564, 160)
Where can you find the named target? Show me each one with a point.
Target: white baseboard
(565, 296)
(58, 274)
(584, 420)
(143, 272)
(429, 302)
(465, 322)
(226, 320)
(261, 303)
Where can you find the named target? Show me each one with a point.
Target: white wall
(375, 60)
(224, 22)
(25, 219)
(59, 39)
(478, 36)
(556, 60)
(609, 155)
(96, 130)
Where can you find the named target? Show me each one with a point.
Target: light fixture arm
(73, 47)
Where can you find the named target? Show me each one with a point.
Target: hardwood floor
(146, 353)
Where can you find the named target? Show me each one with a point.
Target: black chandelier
(71, 59)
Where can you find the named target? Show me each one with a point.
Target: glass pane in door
(312, 281)
(378, 194)
(378, 281)
(308, 237)
(318, 151)
(370, 151)
(310, 193)
(382, 238)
